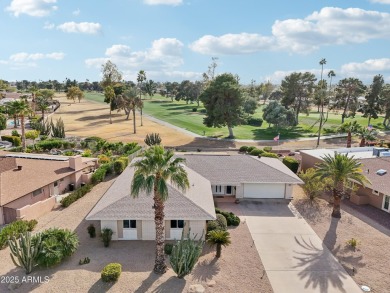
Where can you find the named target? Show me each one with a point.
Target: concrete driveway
(294, 257)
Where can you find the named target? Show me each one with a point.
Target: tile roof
(380, 183)
(117, 203)
(237, 169)
(35, 173)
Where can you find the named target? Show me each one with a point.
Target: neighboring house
(244, 176)
(30, 183)
(211, 177)
(375, 166)
(133, 218)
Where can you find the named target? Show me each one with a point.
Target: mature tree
(42, 104)
(340, 169)
(297, 89)
(46, 93)
(112, 78)
(371, 107)
(129, 102)
(223, 100)
(151, 174)
(210, 74)
(277, 115)
(249, 105)
(218, 238)
(314, 186)
(141, 77)
(3, 122)
(347, 92)
(73, 93)
(150, 88)
(385, 105)
(350, 128)
(366, 134)
(265, 90)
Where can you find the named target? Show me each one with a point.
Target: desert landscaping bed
(369, 264)
(238, 270)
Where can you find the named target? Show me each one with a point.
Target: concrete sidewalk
(294, 257)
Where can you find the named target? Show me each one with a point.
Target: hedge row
(291, 163)
(14, 229)
(231, 219)
(75, 195)
(15, 140)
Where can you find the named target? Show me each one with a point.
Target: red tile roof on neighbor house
(33, 174)
(370, 167)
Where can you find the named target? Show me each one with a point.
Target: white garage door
(263, 190)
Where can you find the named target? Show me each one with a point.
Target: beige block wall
(120, 228)
(36, 210)
(197, 228)
(113, 225)
(308, 161)
(374, 200)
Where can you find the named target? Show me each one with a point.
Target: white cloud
(37, 8)
(23, 56)
(49, 26)
(329, 26)
(163, 2)
(80, 27)
(369, 66)
(380, 1)
(76, 12)
(243, 43)
(160, 61)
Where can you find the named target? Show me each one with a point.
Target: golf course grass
(183, 115)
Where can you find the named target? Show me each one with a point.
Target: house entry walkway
(294, 257)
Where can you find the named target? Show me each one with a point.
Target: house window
(376, 192)
(127, 224)
(177, 224)
(37, 192)
(55, 183)
(228, 189)
(218, 189)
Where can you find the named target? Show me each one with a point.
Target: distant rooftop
(357, 153)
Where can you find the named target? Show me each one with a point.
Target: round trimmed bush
(222, 222)
(119, 166)
(291, 163)
(249, 149)
(256, 152)
(269, 155)
(111, 272)
(267, 149)
(243, 149)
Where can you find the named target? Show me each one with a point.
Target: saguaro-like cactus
(185, 254)
(25, 251)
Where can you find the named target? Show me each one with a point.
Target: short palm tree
(21, 109)
(350, 128)
(42, 103)
(365, 135)
(340, 168)
(151, 174)
(218, 238)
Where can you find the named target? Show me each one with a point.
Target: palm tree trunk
(135, 131)
(219, 249)
(336, 204)
(141, 117)
(159, 265)
(110, 113)
(363, 142)
(349, 139)
(15, 122)
(23, 133)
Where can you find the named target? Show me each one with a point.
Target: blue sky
(176, 39)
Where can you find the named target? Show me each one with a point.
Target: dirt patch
(238, 270)
(367, 264)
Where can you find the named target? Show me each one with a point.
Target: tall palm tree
(22, 109)
(152, 173)
(141, 77)
(322, 92)
(350, 128)
(218, 238)
(340, 168)
(42, 104)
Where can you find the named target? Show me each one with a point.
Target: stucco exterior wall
(1, 216)
(29, 199)
(120, 228)
(308, 161)
(197, 228)
(113, 225)
(367, 197)
(288, 191)
(139, 229)
(240, 191)
(36, 210)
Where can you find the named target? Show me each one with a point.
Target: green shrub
(168, 248)
(58, 244)
(269, 155)
(98, 175)
(119, 166)
(15, 140)
(291, 163)
(125, 160)
(87, 153)
(103, 159)
(231, 219)
(109, 168)
(15, 133)
(75, 195)
(219, 224)
(267, 149)
(194, 109)
(106, 236)
(243, 149)
(14, 230)
(256, 152)
(111, 272)
(152, 139)
(255, 121)
(49, 144)
(353, 243)
(250, 148)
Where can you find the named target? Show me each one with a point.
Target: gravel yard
(369, 263)
(238, 270)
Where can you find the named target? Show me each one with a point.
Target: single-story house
(375, 165)
(30, 183)
(133, 218)
(211, 177)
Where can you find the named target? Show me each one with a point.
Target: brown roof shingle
(380, 183)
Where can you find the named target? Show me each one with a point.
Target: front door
(55, 190)
(386, 203)
(130, 229)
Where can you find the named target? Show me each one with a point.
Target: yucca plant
(218, 238)
(25, 251)
(152, 139)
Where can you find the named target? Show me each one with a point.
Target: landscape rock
(211, 283)
(197, 288)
